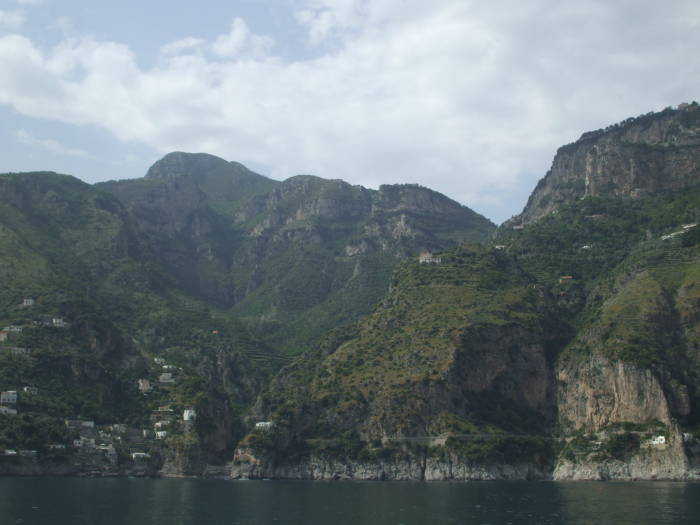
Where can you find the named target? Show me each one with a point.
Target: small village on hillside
(99, 449)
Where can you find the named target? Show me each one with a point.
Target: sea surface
(80, 501)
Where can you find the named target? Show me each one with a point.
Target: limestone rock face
(640, 156)
(597, 397)
(596, 393)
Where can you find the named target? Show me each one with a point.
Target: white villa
(8, 397)
(427, 258)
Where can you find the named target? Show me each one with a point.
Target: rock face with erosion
(639, 156)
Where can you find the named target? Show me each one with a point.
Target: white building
(427, 258)
(161, 434)
(119, 428)
(8, 411)
(166, 378)
(161, 425)
(79, 424)
(9, 397)
(31, 390)
(655, 442)
(264, 425)
(189, 414)
(136, 456)
(159, 360)
(28, 302)
(144, 386)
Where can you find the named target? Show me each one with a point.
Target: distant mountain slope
(639, 156)
(88, 310)
(293, 258)
(568, 344)
(562, 348)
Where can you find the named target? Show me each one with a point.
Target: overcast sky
(470, 98)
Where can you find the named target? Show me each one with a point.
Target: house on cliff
(427, 258)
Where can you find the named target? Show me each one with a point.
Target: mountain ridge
(295, 320)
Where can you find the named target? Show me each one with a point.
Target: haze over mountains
(561, 344)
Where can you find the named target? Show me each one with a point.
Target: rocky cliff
(640, 156)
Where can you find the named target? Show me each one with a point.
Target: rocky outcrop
(667, 463)
(407, 468)
(595, 393)
(640, 156)
(601, 402)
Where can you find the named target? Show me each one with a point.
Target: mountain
(292, 259)
(130, 304)
(207, 320)
(88, 313)
(639, 156)
(565, 347)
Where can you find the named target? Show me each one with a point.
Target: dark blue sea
(78, 501)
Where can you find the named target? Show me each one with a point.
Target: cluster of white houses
(42, 320)
(162, 421)
(166, 378)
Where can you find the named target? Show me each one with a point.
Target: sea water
(82, 501)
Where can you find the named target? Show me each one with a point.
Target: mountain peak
(180, 163)
(638, 156)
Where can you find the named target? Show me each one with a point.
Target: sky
(470, 98)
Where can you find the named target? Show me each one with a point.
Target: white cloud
(50, 145)
(189, 45)
(240, 41)
(466, 97)
(11, 20)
